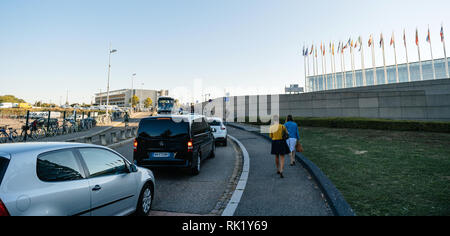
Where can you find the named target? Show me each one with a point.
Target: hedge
(366, 123)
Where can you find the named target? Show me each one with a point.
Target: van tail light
(190, 146)
(135, 144)
(3, 210)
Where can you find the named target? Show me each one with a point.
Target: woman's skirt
(280, 147)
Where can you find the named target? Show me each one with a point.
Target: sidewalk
(266, 194)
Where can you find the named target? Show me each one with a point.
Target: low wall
(420, 100)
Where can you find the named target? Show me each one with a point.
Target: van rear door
(163, 135)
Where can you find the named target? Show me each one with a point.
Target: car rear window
(214, 123)
(163, 128)
(3, 165)
(58, 166)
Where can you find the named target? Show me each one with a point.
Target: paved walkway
(266, 194)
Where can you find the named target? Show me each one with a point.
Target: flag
(315, 52)
(381, 40)
(356, 44)
(312, 50)
(417, 37)
(404, 37)
(333, 49)
(370, 40)
(323, 50)
(442, 33)
(360, 43)
(392, 39)
(306, 52)
(345, 46)
(429, 36)
(351, 43)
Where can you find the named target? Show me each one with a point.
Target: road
(180, 193)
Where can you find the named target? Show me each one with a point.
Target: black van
(174, 141)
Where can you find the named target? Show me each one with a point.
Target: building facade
(351, 80)
(122, 98)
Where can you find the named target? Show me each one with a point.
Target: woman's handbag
(285, 133)
(299, 147)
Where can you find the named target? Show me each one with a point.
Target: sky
(49, 47)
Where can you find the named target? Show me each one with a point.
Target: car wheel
(145, 201)
(196, 169)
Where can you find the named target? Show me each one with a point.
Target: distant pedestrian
(294, 137)
(126, 119)
(279, 135)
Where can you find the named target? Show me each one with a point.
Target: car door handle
(97, 188)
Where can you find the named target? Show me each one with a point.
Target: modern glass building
(335, 81)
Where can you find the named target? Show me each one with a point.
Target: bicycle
(8, 137)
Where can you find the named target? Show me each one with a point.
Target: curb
(240, 188)
(337, 203)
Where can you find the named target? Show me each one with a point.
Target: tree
(134, 101)
(11, 98)
(148, 103)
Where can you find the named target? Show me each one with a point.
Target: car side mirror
(133, 168)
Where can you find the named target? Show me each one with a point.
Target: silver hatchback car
(65, 179)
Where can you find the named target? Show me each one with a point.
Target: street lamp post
(140, 99)
(132, 92)
(109, 74)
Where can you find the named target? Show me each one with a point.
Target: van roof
(188, 117)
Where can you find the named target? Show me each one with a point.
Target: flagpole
(304, 63)
(362, 61)
(343, 62)
(353, 66)
(384, 61)
(375, 81)
(406, 51)
(331, 67)
(395, 56)
(431, 52)
(418, 51)
(325, 67)
(445, 53)
(317, 70)
(334, 67)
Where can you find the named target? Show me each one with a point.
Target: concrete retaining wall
(421, 100)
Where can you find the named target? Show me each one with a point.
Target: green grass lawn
(384, 172)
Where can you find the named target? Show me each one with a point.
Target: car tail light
(190, 146)
(3, 210)
(222, 128)
(135, 144)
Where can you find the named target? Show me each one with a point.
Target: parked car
(174, 141)
(221, 133)
(64, 179)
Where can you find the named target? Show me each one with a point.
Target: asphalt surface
(177, 191)
(266, 194)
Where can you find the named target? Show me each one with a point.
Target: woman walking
(294, 137)
(279, 134)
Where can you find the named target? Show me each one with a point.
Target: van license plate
(161, 154)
